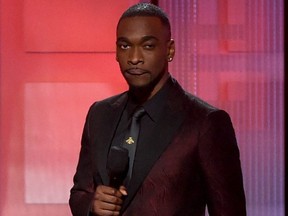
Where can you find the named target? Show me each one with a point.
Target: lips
(135, 71)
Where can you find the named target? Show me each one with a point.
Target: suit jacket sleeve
(83, 189)
(220, 162)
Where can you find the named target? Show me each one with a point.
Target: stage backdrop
(58, 57)
(230, 52)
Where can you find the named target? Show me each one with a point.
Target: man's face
(143, 51)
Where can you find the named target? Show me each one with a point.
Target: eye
(124, 46)
(149, 46)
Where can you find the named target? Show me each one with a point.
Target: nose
(135, 56)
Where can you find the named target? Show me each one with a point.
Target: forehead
(140, 26)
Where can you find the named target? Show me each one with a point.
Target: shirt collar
(155, 106)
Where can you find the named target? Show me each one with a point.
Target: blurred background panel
(231, 53)
(71, 26)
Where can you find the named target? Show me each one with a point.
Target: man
(187, 156)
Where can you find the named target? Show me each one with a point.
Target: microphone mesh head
(118, 160)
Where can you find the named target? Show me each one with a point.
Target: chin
(147, 87)
(138, 87)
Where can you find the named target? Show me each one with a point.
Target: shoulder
(110, 101)
(107, 106)
(195, 103)
(194, 107)
(181, 99)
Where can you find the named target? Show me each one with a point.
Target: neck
(141, 95)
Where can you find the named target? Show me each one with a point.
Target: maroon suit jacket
(195, 165)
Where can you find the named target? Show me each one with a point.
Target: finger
(104, 212)
(123, 190)
(107, 213)
(108, 190)
(104, 208)
(108, 198)
(109, 207)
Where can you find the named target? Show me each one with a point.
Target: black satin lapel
(153, 149)
(108, 128)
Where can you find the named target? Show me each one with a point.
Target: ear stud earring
(170, 59)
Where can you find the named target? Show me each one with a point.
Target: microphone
(117, 165)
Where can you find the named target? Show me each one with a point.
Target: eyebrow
(143, 39)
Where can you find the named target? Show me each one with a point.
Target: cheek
(121, 62)
(121, 56)
(157, 61)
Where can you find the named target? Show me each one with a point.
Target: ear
(171, 50)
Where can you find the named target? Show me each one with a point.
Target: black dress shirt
(153, 108)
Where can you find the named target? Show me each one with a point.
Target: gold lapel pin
(129, 140)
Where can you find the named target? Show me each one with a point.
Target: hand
(108, 200)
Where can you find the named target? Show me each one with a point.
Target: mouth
(136, 71)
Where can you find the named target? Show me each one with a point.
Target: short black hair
(149, 10)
